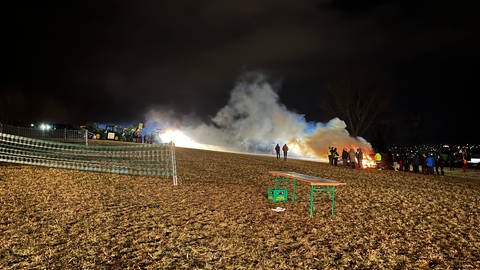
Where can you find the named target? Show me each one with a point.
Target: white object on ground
(279, 209)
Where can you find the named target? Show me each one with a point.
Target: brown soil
(219, 218)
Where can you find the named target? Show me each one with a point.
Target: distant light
(474, 160)
(32, 125)
(45, 127)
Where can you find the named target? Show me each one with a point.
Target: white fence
(139, 159)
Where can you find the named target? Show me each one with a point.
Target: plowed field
(219, 218)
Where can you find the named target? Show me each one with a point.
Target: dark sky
(78, 61)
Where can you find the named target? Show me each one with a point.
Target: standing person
(423, 157)
(451, 158)
(277, 149)
(330, 157)
(437, 163)
(378, 159)
(353, 156)
(430, 162)
(407, 162)
(285, 150)
(335, 156)
(465, 159)
(401, 165)
(360, 158)
(416, 163)
(345, 157)
(395, 159)
(443, 160)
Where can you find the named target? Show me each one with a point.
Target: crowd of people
(350, 157)
(431, 159)
(419, 159)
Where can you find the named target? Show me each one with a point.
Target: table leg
(332, 193)
(294, 191)
(312, 195)
(329, 191)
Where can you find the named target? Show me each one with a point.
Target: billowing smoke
(254, 121)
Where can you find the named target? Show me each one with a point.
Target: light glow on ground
(179, 138)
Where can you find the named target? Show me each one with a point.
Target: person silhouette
(353, 157)
(345, 157)
(335, 156)
(360, 158)
(285, 150)
(277, 150)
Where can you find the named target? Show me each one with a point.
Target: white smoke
(254, 121)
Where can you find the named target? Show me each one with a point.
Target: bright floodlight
(45, 127)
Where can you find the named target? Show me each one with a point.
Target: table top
(313, 180)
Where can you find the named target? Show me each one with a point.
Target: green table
(316, 184)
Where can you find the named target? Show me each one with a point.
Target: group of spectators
(421, 162)
(430, 159)
(350, 157)
(418, 159)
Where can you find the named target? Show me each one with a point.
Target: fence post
(174, 164)
(86, 137)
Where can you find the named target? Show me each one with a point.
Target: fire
(368, 162)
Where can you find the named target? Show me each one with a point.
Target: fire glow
(368, 162)
(180, 139)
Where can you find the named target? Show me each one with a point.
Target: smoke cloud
(254, 121)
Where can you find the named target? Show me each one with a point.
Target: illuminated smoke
(254, 121)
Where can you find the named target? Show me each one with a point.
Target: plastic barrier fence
(143, 159)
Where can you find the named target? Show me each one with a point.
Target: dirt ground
(219, 218)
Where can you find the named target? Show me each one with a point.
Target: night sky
(107, 61)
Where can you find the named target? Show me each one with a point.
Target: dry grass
(219, 218)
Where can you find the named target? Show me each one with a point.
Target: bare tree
(361, 99)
